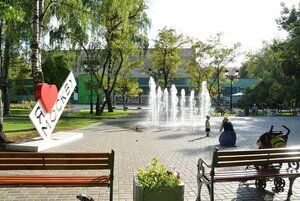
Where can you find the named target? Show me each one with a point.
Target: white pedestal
(38, 144)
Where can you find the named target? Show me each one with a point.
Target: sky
(249, 22)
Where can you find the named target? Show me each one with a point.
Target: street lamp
(87, 69)
(231, 74)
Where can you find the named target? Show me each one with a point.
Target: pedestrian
(207, 126)
(222, 110)
(228, 136)
(255, 109)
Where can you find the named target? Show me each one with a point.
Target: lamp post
(231, 74)
(87, 69)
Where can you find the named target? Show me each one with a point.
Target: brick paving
(180, 147)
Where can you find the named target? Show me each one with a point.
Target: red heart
(47, 94)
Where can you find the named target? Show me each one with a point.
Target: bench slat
(52, 161)
(255, 157)
(52, 155)
(258, 151)
(54, 167)
(252, 175)
(55, 180)
(256, 162)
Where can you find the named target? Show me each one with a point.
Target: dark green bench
(230, 166)
(57, 161)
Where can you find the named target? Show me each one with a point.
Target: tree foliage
(277, 66)
(213, 56)
(56, 69)
(166, 55)
(127, 87)
(124, 24)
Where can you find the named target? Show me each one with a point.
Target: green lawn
(21, 129)
(20, 112)
(105, 115)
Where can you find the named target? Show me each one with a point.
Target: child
(207, 126)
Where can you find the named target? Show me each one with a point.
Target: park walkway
(179, 147)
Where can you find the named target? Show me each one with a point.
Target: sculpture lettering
(44, 121)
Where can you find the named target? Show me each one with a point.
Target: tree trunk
(3, 138)
(41, 29)
(109, 103)
(102, 107)
(35, 45)
(1, 38)
(98, 111)
(123, 101)
(6, 62)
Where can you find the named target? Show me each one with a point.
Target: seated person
(228, 136)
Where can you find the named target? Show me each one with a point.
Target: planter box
(272, 113)
(240, 114)
(167, 193)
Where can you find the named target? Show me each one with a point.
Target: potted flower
(240, 113)
(158, 183)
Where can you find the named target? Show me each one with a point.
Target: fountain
(168, 110)
(174, 102)
(182, 105)
(205, 104)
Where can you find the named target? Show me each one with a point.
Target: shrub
(156, 176)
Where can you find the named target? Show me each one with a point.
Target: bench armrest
(201, 167)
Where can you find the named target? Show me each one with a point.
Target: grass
(105, 115)
(21, 129)
(20, 112)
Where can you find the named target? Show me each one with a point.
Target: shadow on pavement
(199, 138)
(247, 191)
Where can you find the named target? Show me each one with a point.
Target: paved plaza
(180, 147)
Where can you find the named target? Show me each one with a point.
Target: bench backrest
(256, 157)
(56, 161)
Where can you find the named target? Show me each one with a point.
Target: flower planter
(240, 113)
(166, 193)
(272, 113)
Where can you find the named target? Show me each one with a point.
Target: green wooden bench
(230, 166)
(57, 161)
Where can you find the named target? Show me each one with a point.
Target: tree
(166, 55)
(290, 21)
(218, 57)
(127, 87)
(37, 24)
(267, 66)
(124, 24)
(20, 71)
(67, 11)
(112, 30)
(56, 69)
(262, 97)
(200, 67)
(277, 66)
(10, 15)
